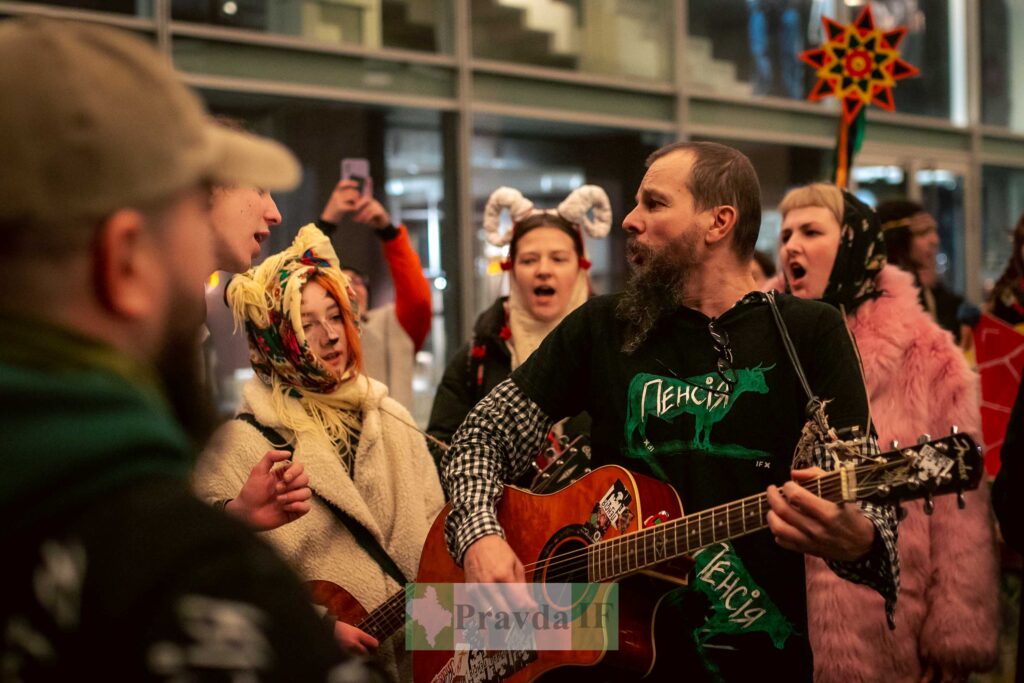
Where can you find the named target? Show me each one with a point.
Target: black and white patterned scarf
(860, 258)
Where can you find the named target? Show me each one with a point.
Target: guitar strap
(817, 430)
(359, 532)
(813, 402)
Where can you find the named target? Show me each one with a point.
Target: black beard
(655, 286)
(179, 366)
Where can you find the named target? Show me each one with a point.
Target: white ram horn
(577, 208)
(518, 206)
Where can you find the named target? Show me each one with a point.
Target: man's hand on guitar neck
(805, 523)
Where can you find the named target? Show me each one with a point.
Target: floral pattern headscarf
(860, 258)
(267, 301)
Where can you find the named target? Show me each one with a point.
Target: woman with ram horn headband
(367, 465)
(548, 279)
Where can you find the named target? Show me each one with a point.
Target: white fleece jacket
(395, 494)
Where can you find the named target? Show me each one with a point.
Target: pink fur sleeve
(960, 631)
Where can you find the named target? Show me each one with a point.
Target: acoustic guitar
(614, 525)
(561, 463)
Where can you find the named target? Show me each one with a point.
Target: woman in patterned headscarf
(832, 248)
(359, 448)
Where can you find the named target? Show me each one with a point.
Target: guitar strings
(578, 560)
(388, 613)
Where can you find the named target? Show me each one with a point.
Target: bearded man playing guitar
(688, 380)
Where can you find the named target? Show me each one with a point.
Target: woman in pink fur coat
(917, 381)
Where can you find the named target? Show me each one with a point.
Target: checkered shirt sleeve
(495, 444)
(880, 568)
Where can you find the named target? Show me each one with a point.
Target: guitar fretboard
(648, 547)
(385, 621)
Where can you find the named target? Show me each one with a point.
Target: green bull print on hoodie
(707, 398)
(738, 604)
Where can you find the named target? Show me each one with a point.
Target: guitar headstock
(929, 468)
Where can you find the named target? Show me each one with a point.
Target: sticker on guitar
(611, 509)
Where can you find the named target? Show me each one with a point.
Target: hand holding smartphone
(358, 170)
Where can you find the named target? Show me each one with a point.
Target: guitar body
(539, 528)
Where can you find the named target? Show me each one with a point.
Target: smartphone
(359, 171)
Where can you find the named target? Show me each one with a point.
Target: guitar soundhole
(563, 561)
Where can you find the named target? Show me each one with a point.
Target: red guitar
(593, 531)
(562, 462)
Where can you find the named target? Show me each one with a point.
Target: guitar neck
(614, 558)
(384, 622)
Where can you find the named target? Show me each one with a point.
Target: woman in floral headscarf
(832, 248)
(359, 448)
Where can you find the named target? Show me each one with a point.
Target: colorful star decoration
(858, 64)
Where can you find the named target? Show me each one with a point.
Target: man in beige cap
(114, 570)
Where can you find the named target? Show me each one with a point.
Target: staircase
(501, 32)
(715, 75)
(409, 24)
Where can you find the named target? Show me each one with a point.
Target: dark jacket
(947, 308)
(473, 371)
(114, 570)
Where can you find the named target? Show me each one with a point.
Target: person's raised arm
(413, 304)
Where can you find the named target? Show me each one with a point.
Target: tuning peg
(536, 466)
(545, 475)
(587, 470)
(924, 438)
(954, 430)
(960, 501)
(894, 444)
(929, 504)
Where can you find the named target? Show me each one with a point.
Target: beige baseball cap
(95, 119)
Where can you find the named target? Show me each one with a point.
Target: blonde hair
(824, 195)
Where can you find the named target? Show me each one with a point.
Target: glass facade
(450, 98)
(1002, 63)
(422, 25)
(752, 47)
(627, 38)
(142, 8)
(932, 44)
(1003, 206)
